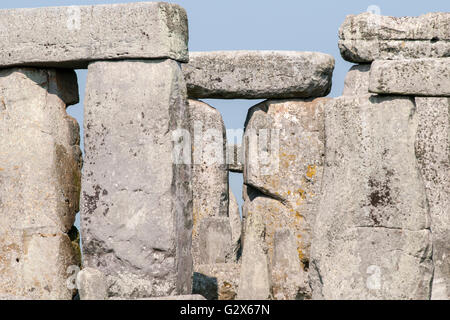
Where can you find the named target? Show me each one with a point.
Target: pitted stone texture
(255, 277)
(432, 150)
(357, 80)
(40, 163)
(284, 148)
(210, 175)
(215, 241)
(35, 264)
(290, 282)
(414, 77)
(236, 225)
(371, 237)
(258, 74)
(367, 37)
(91, 284)
(217, 281)
(137, 210)
(40, 157)
(73, 36)
(234, 158)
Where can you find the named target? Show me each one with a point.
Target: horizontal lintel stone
(417, 77)
(73, 36)
(258, 74)
(367, 37)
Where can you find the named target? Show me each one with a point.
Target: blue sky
(261, 25)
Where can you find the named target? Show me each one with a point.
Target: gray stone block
(433, 155)
(413, 77)
(357, 80)
(136, 213)
(372, 236)
(367, 37)
(40, 172)
(258, 74)
(73, 36)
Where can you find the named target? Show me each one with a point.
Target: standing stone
(372, 236)
(236, 225)
(414, 77)
(210, 177)
(367, 37)
(255, 277)
(137, 195)
(71, 37)
(432, 150)
(215, 241)
(258, 74)
(40, 171)
(357, 80)
(284, 148)
(234, 158)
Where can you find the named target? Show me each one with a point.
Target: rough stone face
(91, 284)
(357, 80)
(287, 272)
(210, 175)
(284, 148)
(217, 281)
(234, 158)
(236, 225)
(137, 210)
(255, 277)
(40, 171)
(73, 36)
(258, 74)
(415, 77)
(432, 151)
(372, 236)
(215, 241)
(367, 37)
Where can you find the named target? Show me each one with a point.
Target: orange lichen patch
(1, 169)
(311, 171)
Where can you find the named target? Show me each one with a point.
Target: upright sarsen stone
(433, 154)
(40, 172)
(71, 37)
(357, 80)
(136, 199)
(372, 236)
(284, 145)
(209, 179)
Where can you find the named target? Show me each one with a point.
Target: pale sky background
(260, 25)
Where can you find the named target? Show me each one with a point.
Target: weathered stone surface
(234, 158)
(217, 281)
(73, 36)
(258, 74)
(215, 241)
(179, 297)
(40, 163)
(367, 37)
(284, 147)
(357, 80)
(137, 211)
(372, 236)
(255, 277)
(432, 151)
(290, 282)
(209, 175)
(415, 77)
(91, 284)
(236, 225)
